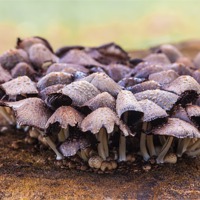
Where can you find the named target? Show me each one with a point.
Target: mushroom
(174, 128)
(180, 69)
(147, 85)
(153, 115)
(5, 75)
(157, 58)
(19, 87)
(103, 83)
(129, 110)
(103, 99)
(101, 122)
(54, 78)
(186, 87)
(166, 100)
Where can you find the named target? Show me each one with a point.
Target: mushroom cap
(164, 77)
(79, 92)
(54, 78)
(166, 100)
(185, 86)
(79, 57)
(40, 54)
(157, 58)
(147, 85)
(30, 112)
(197, 61)
(23, 69)
(12, 57)
(67, 67)
(103, 99)
(74, 143)
(177, 128)
(180, 113)
(196, 75)
(126, 102)
(63, 117)
(103, 82)
(19, 86)
(152, 111)
(180, 69)
(103, 118)
(4, 75)
(193, 112)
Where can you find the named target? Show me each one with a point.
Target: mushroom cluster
(101, 104)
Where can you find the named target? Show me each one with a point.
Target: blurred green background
(131, 23)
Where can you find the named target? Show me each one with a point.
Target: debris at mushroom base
(90, 83)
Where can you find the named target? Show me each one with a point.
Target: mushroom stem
(100, 147)
(193, 153)
(6, 116)
(164, 150)
(82, 154)
(105, 142)
(66, 132)
(182, 146)
(150, 145)
(53, 147)
(162, 139)
(143, 147)
(194, 146)
(61, 136)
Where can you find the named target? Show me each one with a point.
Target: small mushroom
(101, 122)
(129, 110)
(153, 115)
(166, 100)
(180, 69)
(174, 128)
(170, 158)
(95, 162)
(186, 87)
(21, 86)
(103, 83)
(4, 75)
(157, 58)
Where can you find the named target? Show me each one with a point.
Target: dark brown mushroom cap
(12, 57)
(4, 75)
(54, 78)
(23, 69)
(103, 117)
(152, 111)
(180, 113)
(157, 58)
(80, 92)
(103, 82)
(79, 57)
(164, 77)
(170, 51)
(185, 86)
(127, 103)
(39, 54)
(73, 144)
(30, 112)
(19, 86)
(147, 85)
(103, 99)
(64, 116)
(166, 100)
(177, 128)
(193, 112)
(117, 71)
(70, 68)
(145, 72)
(196, 75)
(26, 43)
(50, 90)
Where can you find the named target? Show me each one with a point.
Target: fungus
(155, 59)
(5, 75)
(95, 162)
(101, 122)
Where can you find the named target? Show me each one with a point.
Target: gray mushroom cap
(152, 111)
(65, 116)
(164, 77)
(19, 86)
(126, 102)
(177, 128)
(103, 83)
(157, 58)
(166, 100)
(193, 112)
(80, 92)
(147, 85)
(54, 78)
(103, 118)
(70, 146)
(4, 75)
(30, 112)
(103, 99)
